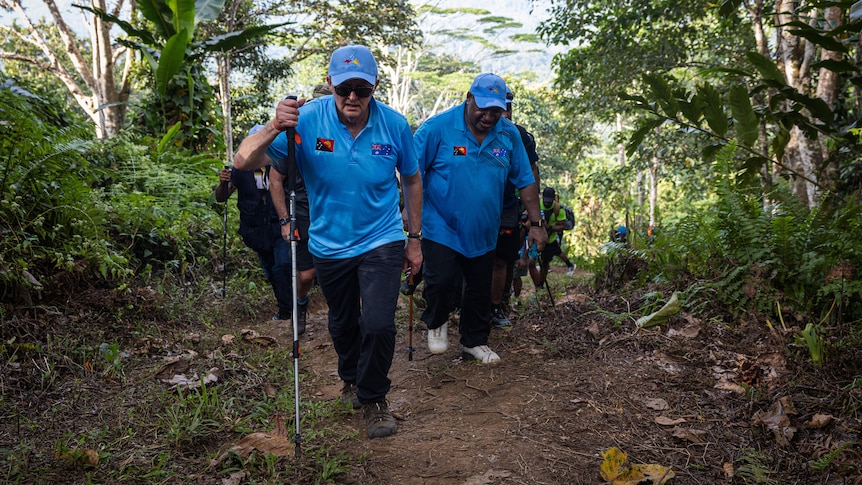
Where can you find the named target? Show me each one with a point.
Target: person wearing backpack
(555, 222)
(256, 216)
(509, 239)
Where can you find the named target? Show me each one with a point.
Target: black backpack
(570, 218)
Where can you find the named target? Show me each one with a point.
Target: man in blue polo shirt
(466, 155)
(348, 147)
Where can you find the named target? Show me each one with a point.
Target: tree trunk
(828, 89)
(653, 189)
(795, 56)
(223, 61)
(95, 88)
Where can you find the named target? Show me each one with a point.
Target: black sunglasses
(361, 91)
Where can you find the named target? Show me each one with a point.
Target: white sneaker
(438, 339)
(480, 352)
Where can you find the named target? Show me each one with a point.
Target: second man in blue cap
(466, 155)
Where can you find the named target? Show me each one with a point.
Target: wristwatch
(414, 235)
(539, 223)
(284, 221)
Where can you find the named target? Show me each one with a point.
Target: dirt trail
(541, 416)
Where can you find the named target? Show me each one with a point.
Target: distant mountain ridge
(531, 57)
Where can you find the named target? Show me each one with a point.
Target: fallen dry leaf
(661, 316)
(84, 457)
(666, 421)
(819, 421)
(262, 442)
(777, 420)
(693, 435)
(180, 381)
(729, 472)
(279, 425)
(593, 329)
(731, 387)
(235, 478)
(656, 403)
(252, 336)
(691, 331)
(172, 366)
(227, 339)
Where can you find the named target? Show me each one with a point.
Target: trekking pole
(294, 236)
(410, 322)
(550, 295)
(226, 189)
(531, 263)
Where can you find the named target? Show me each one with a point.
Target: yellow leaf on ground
(614, 464)
(614, 470)
(659, 475)
(85, 457)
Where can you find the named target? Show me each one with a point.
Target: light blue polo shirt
(352, 190)
(463, 182)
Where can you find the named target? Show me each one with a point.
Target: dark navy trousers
(362, 294)
(445, 271)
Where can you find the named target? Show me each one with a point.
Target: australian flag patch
(500, 152)
(460, 151)
(325, 145)
(381, 149)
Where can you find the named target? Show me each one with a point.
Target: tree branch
(69, 41)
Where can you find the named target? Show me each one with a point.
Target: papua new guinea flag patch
(325, 145)
(460, 151)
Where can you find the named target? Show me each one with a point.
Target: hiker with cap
(555, 220)
(348, 148)
(256, 218)
(509, 238)
(304, 261)
(466, 155)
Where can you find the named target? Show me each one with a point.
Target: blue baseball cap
(489, 90)
(352, 62)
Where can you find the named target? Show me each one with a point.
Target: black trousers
(362, 294)
(444, 271)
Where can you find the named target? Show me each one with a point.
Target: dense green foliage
(90, 209)
(782, 261)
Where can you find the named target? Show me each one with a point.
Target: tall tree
(96, 73)
(614, 43)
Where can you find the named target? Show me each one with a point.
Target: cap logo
(351, 60)
(493, 89)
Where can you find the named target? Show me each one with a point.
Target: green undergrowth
(87, 397)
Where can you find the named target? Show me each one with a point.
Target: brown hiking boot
(348, 395)
(378, 419)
